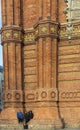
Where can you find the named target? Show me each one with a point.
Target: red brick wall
(40, 66)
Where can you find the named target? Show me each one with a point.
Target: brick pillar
(46, 94)
(11, 42)
(13, 97)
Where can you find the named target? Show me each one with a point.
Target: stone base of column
(8, 116)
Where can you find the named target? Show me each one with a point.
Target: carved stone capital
(46, 28)
(11, 34)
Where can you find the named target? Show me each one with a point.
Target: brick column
(46, 40)
(12, 60)
(13, 97)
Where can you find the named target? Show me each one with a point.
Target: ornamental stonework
(70, 96)
(11, 34)
(10, 96)
(66, 31)
(29, 36)
(41, 95)
(42, 28)
(46, 28)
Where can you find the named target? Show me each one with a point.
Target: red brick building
(41, 51)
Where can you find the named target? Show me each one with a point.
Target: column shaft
(11, 66)
(9, 6)
(54, 63)
(40, 62)
(3, 12)
(5, 64)
(18, 67)
(48, 62)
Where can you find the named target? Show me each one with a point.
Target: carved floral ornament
(52, 29)
(11, 34)
(16, 35)
(65, 32)
(29, 37)
(7, 34)
(36, 32)
(42, 30)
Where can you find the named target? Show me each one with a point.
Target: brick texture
(41, 65)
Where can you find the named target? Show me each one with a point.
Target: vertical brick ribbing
(9, 6)
(18, 68)
(44, 63)
(17, 12)
(54, 63)
(44, 9)
(5, 63)
(3, 12)
(48, 62)
(40, 56)
(11, 57)
(40, 8)
(53, 9)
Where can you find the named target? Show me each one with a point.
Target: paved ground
(20, 127)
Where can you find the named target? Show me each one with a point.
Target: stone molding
(46, 28)
(13, 96)
(69, 96)
(65, 31)
(42, 29)
(41, 95)
(29, 37)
